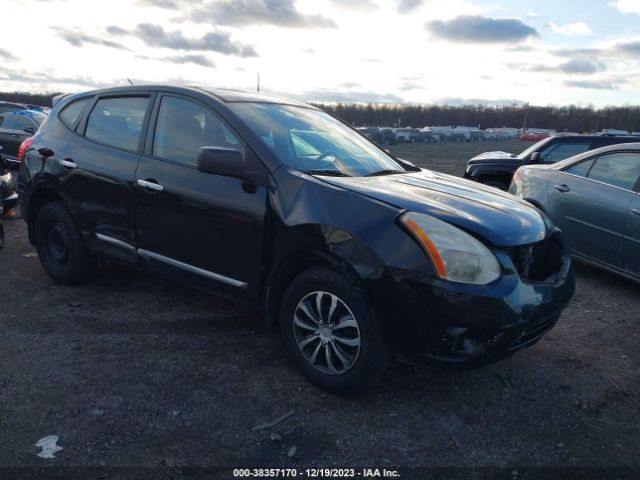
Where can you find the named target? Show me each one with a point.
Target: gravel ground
(131, 370)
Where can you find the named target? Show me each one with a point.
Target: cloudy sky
(419, 51)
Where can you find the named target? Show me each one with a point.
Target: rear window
(71, 113)
(617, 169)
(117, 121)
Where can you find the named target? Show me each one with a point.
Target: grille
(539, 262)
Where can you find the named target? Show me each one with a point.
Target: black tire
(372, 357)
(61, 248)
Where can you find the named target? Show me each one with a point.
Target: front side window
(311, 141)
(617, 169)
(563, 150)
(184, 126)
(117, 121)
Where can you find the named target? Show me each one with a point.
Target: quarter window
(71, 113)
(617, 169)
(581, 169)
(563, 150)
(184, 126)
(117, 121)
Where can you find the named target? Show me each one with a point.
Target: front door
(631, 241)
(201, 228)
(12, 133)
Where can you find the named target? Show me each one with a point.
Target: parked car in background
(38, 108)
(6, 107)
(15, 127)
(594, 198)
(496, 169)
(388, 136)
(372, 133)
(8, 194)
(353, 255)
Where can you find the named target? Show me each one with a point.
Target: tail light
(24, 146)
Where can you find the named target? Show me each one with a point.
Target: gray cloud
(79, 39)
(479, 29)
(576, 66)
(323, 95)
(7, 56)
(280, 13)
(36, 78)
(459, 101)
(407, 6)
(156, 36)
(197, 59)
(590, 84)
(170, 4)
(357, 5)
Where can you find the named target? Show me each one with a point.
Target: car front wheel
(329, 333)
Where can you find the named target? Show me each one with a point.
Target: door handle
(636, 211)
(68, 163)
(562, 188)
(15, 135)
(150, 184)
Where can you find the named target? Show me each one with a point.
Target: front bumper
(469, 326)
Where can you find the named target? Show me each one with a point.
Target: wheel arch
(292, 265)
(37, 201)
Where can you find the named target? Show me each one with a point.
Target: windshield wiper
(329, 173)
(384, 172)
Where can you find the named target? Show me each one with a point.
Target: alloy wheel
(327, 333)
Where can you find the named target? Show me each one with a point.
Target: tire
(365, 363)
(61, 248)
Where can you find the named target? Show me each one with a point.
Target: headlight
(457, 256)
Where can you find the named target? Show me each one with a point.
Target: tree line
(568, 118)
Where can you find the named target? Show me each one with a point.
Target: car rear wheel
(61, 248)
(329, 333)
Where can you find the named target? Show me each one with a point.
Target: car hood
(498, 216)
(494, 157)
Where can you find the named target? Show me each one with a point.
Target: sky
(547, 52)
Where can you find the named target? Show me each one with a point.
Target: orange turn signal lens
(428, 245)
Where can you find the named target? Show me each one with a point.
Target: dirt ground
(134, 371)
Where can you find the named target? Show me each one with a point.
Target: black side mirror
(29, 130)
(221, 161)
(535, 157)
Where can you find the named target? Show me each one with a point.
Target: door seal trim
(116, 242)
(146, 254)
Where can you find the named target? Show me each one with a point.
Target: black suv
(352, 255)
(496, 169)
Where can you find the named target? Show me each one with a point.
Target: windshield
(313, 142)
(536, 147)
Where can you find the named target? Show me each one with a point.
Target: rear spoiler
(57, 98)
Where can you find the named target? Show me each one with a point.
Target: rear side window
(617, 169)
(71, 113)
(184, 126)
(117, 121)
(563, 150)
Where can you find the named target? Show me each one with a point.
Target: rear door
(96, 171)
(589, 202)
(203, 229)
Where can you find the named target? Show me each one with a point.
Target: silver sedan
(593, 198)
